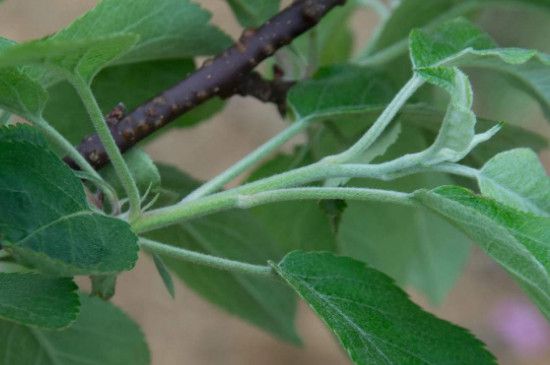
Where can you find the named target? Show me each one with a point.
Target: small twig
(268, 91)
(217, 77)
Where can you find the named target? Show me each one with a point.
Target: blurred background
(188, 330)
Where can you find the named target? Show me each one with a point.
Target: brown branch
(268, 91)
(221, 76)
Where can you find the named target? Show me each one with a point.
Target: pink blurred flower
(521, 326)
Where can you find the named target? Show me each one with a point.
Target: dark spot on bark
(268, 49)
(93, 156)
(128, 134)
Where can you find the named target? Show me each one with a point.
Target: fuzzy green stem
(311, 173)
(206, 260)
(250, 160)
(376, 130)
(275, 188)
(358, 194)
(61, 142)
(119, 165)
(231, 199)
(399, 48)
(163, 217)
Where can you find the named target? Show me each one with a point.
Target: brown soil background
(189, 330)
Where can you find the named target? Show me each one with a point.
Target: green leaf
(333, 37)
(410, 244)
(456, 136)
(460, 43)
(102, 335)
(167, 29)
(253, 13)
(152, 30)
(374, 320)
(174, 183)
(142, 168)
(445, 43)
(164, 275)
(58, 59)
(37, 300)
(9, 267)
(339, 90)
(410, 14)
(293, 225)
(5, 117)
(428, 14)
(422, 250)
(19, 94)
(22, 133)
(131, 84)
(518, 179)
(235, 235)
(518, 241)
(338, 134)
(428, 120)
(45, 219)
(378, 148)
(296, 225)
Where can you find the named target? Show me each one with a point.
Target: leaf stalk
(206, 260)
(121, 168)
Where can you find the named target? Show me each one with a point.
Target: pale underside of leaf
(517, 178)
(517, 241)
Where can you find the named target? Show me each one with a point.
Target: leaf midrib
(350, 321)
(526, 254)
(53, 223)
